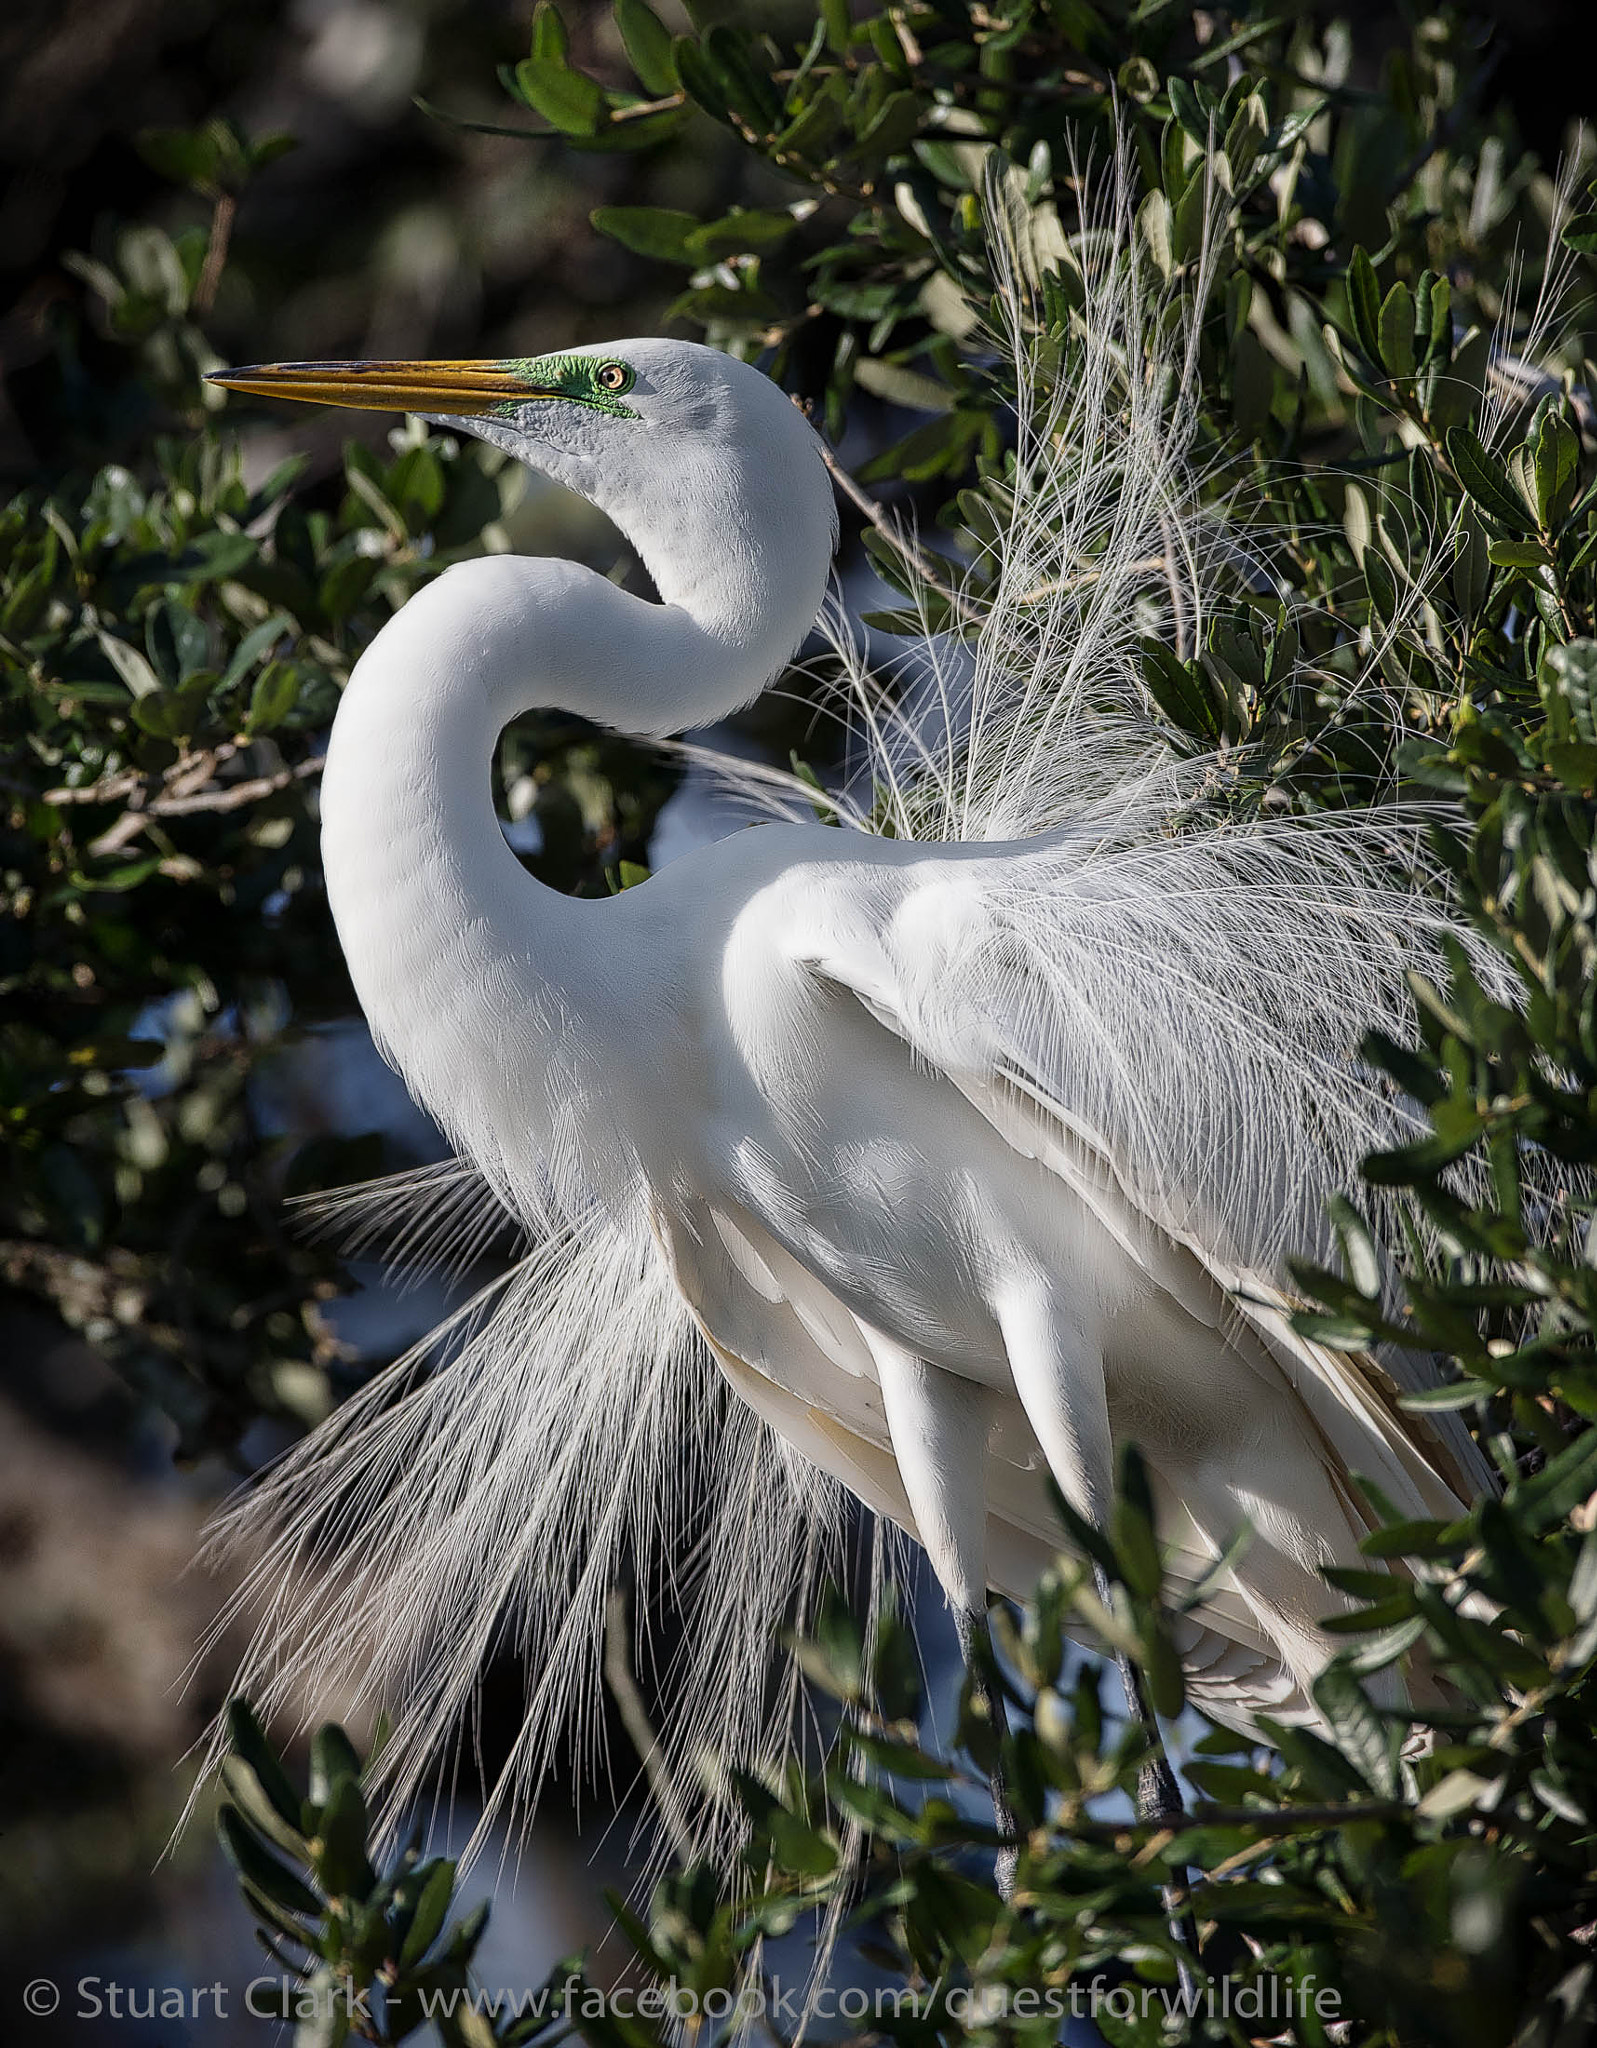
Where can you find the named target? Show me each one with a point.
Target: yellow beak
(459, 388)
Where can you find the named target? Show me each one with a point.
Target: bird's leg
(1059, 1377)
(1158, 1794)
(1159, 1805)
(976, 1647)
(939, 1424)
(1158, 1797)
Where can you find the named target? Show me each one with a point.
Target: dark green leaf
(274, 696)
(256, 642)
(1396, 331)
(1581, 233)
(1178, 688)
(1161, 1667)
(648, 46)
(1486, 480)
(1471, 568)
(550, 41)
(1188, 109)
(809, 132)
(254, 1861)
(568, 100)
(339, 1848)
(1562, 1485)
(1364, 303)
(701, 80)
(739, 234)
(1132, 1529)
(744, 80)
(333, 1760)
(249, 1743)
(1574, 762)
(894, 127)
(1518, 554)
(1555, 468)
(658, 231)
(1357, 1727)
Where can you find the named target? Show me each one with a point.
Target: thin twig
(638, 110)
(126, 829)
(108, 791)
(185, 801)
(1276, 1821)
(222, 215)
(232, 796)
(891, 531)
(635, 1719)
(174, 782)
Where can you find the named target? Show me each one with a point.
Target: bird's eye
(612, 377)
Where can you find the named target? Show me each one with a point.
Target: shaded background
(385, 232)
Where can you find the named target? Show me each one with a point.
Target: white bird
(967, 1152)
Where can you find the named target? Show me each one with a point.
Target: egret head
(656, 433)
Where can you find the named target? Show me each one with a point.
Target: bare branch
(126, 829)
(216, 253)
(114, 787)
(107, 791)
(892, 531)
(233, 796)
(186, 789)
(635, 1719)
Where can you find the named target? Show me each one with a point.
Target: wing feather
(1428, 1464)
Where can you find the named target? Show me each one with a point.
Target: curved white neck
(462, 962)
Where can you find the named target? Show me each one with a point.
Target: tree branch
(187, 787)
(891, 531)
(216, 253)
(185, 801)
(635, 1719)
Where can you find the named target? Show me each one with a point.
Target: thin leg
(1059, 1377)
(976, 1647)
(939, 1424)
(1158, 1800)
(1158, 1794)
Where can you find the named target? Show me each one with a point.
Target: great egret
(966, 1151)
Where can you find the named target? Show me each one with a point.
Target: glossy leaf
(648, 46)
(255, 1863)
(1486, 480)
(567, 99)
(658, 231)
(1364, 302)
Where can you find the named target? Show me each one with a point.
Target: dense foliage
(174, 642)
(1400, 402)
